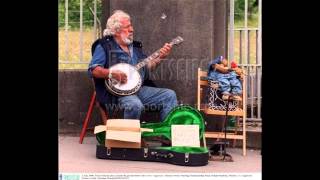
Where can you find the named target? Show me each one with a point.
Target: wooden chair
(202, 84)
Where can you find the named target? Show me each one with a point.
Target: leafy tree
(239, 6)
(74, 13)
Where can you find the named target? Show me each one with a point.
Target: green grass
(253, 22)
(74, 45)
(74, 48)
(252, 45)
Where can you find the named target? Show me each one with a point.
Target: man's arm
(152, 65)
(96, 67)
(100, 72)
(164, 52)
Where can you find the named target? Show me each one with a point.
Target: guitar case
(178, 155)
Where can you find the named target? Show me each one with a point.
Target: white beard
(128, 41)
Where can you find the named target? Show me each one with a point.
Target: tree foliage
(88, 17)
(74, 13)
(239, 7)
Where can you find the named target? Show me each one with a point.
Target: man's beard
(127, 40)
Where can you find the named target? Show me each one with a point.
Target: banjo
(134, 80)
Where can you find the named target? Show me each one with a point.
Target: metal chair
(103, 115)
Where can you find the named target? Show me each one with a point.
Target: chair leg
(244, 145)
(236, 132)
(103, 114)
(86, 121)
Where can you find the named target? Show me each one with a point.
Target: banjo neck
(152, 57)
(156, 54)
(135, 82)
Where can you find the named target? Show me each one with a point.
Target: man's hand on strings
(165, 50)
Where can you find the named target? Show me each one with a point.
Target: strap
(105, 43)
(137, 44)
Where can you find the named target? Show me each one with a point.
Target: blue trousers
(162, 98)
(228, 82)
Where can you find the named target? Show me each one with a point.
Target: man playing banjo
(117, 47)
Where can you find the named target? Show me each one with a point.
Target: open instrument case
(178, 155)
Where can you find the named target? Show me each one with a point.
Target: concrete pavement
(81, 158)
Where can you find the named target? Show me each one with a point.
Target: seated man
(229, 82)
(117, 46)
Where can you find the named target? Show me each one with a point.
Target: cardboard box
(122, 133)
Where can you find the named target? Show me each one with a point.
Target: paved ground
(80, 158)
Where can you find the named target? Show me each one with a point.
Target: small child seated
(228, 78)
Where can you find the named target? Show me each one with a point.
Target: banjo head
(133, 83)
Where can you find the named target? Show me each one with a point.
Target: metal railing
(247, 52)
(74, 45)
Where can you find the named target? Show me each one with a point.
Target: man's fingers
(168, 46)
(123, 77)
(124, 80)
